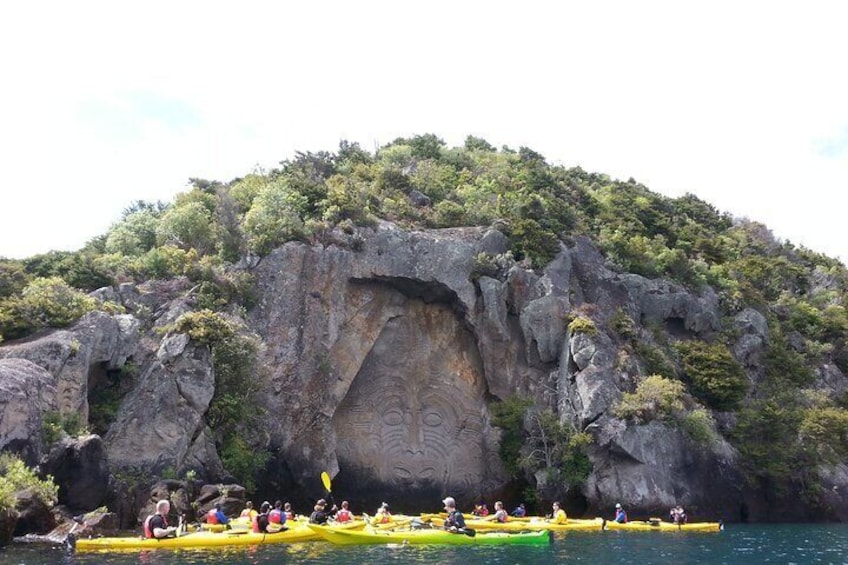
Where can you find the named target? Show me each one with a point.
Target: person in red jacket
(344, 515)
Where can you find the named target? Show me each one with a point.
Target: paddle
(325, 478)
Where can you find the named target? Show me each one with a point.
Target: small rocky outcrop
(34, 516)
(27, 392)
(8, 521)
(80, 470)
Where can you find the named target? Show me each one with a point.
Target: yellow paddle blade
(325, 478)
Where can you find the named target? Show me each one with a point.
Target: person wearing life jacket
(455, 521)
(287, 510)
(519, 511)
(260, 521)
(156, 525)
(558, 515)
(320, 515)
(383, 516)
(344, 515)
(620, 514)
(277, 518)
(216, 516)
(500, 513)
(249, 512)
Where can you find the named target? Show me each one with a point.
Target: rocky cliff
(382, 356)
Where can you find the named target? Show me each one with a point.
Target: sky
(744, 104)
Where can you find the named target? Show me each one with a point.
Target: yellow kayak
(661, 526)
(574, 525)
(429, 536)
(298, 533)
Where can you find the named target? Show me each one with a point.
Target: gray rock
(80, 470)
(419, 199)
(27, 392)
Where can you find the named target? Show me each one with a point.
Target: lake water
(738, 544)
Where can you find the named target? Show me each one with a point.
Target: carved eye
(402, 473)
(433, 419)
(393, 417)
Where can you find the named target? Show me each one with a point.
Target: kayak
(572, 525)
(201, 539)
(429, 536)
(660, 526)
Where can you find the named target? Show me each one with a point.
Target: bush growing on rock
(43, 303)
(716, 377)
(16, 476)
(655, 398)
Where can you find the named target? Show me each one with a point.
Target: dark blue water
(738, 544)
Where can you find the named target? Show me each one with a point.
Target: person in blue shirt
(620, 514)
(519, 511)
(216, 516)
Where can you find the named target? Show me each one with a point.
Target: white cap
(449, 501)
(618, 505)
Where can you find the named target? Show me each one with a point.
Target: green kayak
(430, 536)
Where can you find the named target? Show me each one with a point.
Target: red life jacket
(148, 531)
(343, 515)
(255, 523)
(275, 516)
(212, 516)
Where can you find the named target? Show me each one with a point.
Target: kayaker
(519, 511)
(344, 515)
(678, 516)
(455, 521)
(620, 514)
(320, 515)
(500, 514)
(383, 516)
(277, 518)
(287, 510)
(156, 525)
(558, 516)
(260, 521)
(217, 516)
(249, 512)
(484, 511)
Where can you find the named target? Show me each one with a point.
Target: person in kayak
(455, 521)
(678, 516)
(217, 516)
(320, 515)
(620, 514)
(519, 511)
(500, 514)
(344, 514)
(156, 525)
(558, 516)
(277, 518)
(249, 511)
(383, 516)
(260, 522)
(287, 510)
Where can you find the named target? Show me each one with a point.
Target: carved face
(413, 415)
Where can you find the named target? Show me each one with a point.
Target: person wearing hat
(320, 515)
(383, 516)
(620, 514)
(260, 521)
(455, 521)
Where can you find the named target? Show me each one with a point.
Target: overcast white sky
(744, 104)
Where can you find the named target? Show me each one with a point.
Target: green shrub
(582, 324)
(44, 302)
(700, 426)
(655, 398)
(531, 240)
(716, 377)
(656, 360)
(824, 431)
(509, 416)
(205, 326)
(623, 324)
(15, 474)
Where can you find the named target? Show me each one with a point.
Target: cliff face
(382, 360)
